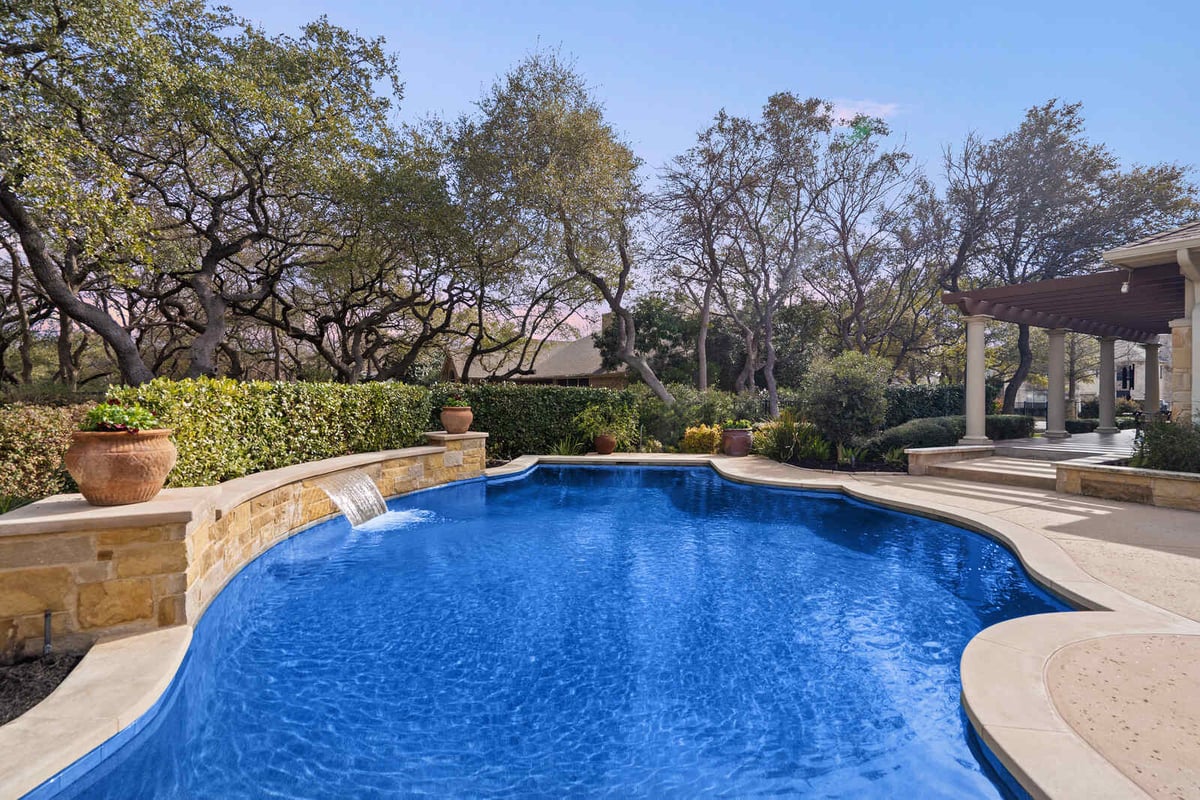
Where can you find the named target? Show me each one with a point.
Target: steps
(1024, 472)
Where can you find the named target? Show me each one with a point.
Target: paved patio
(1079, 445)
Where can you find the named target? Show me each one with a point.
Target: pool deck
(1089, 704)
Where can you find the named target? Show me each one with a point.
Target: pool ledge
(1034, 687)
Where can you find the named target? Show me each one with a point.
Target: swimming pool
(632, 632)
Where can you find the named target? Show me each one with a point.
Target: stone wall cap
(958, 448)
(186, 506)
(443, 436)
(1113, 469)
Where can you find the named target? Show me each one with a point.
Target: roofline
(1149, 255)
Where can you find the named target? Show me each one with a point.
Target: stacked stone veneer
(99, 581)
(1181, 368)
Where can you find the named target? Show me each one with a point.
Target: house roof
(1159, 248)
(575, 359)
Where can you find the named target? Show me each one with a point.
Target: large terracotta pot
(456, 419)
(736, 442)
(115, 469)
(605, 444)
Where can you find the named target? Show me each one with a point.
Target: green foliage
(568, 446)
(926, 432)
(526, 419)
(1126, 407)
(1172, 446)
(33, 440)
(1005, 426)
(701, 439)
(225, 428)
(693, 407)
(844, 397)
(113, 416)
(1126, 423)
(604, 419)
(456, 402)
(919, 401)
(737, 425)
(1082, 425)
(786, 439)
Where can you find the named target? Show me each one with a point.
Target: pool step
(1024, 472)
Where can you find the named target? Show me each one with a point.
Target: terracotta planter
(115, 469)
(736, 442)
(605, 444)
(456, 419)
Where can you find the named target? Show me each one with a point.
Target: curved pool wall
(697, 645)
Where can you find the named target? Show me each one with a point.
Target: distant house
(575, 363)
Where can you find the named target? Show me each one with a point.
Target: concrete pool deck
(1089, 704)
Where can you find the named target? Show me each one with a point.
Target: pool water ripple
(619, 632)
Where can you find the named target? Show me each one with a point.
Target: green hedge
(525, 419)
(33, 440)
(919, 402)
(1172, 446)
(946, 431)
(226, 428)
(1082, 425)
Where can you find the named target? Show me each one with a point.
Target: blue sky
(935, 70)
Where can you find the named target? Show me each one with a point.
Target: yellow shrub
(701, 439)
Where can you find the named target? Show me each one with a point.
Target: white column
(1056, 395)
(1152, 391)
(1195, 351)
(976, 377)
(1108, 386)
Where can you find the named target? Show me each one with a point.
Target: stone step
(1027, 473)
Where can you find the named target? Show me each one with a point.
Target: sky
(934, 70)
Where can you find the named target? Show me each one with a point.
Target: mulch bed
(24, 685)
(861, 466)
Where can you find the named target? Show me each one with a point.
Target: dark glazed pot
(457, 419)
(736, 442)
(605, 444)
(116, 469)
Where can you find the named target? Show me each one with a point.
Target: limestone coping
(1083, 465)
(443, 436)
(955, 448)
(1004, 692)
(188, 507)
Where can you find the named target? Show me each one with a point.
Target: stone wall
(1180, 389)
(1146, 486)
(124, 569)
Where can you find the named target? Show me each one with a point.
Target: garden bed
(25, 684)
(860, 466)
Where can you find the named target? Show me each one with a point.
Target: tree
(1047, 201)
(574, 171)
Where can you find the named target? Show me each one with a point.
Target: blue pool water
(625, 632)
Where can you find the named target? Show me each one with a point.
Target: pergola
(1154, 291)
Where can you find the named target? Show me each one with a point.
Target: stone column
(1153, 395)
(1108, 386)
(976, 377)
(1181, 367)
(1056, 395)
(1195, 347)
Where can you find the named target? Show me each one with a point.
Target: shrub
(927, 432)
(113, 417)
(1125, 423)
(1089, 409)
(701, 439)
(1173, 446)
(1126, 407)
(33, 440)
(524, 418)
(692, 408)
(600, 418)
(1082, 425)
(918, 401)
(1006, 426)
(787, 439)
(225, 428)
(844, 397)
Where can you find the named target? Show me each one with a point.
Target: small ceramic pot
(736, 442)
(456, 419)
(119, 468)
(605, 444)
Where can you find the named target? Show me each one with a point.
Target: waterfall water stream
(354, 493)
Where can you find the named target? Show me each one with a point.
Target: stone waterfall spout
(354, 493)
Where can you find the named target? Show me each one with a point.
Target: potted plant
(736, 437)
(120, 455)
(605, 426)
(456, 415)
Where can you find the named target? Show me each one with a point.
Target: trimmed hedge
(914, 401)
(523, 419)
(946, 431)
(33, 440)
(1082, 425)
(226, 428)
